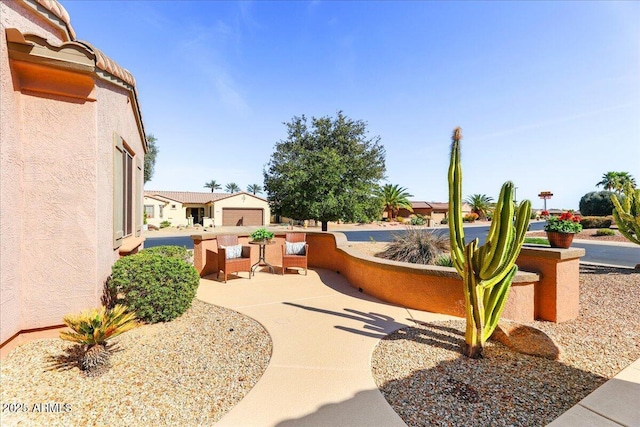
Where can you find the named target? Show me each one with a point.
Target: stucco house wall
(58, 122)
(241, 200)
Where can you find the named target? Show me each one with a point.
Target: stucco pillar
(558, 291)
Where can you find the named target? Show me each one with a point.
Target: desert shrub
(596, 221)
(158, 288)
(444, 221)
(418, 246)
(179, 252)
(596, 203)
(417, 220)
(165, 224)
(470, 217)
(444, 260)
(605, 232)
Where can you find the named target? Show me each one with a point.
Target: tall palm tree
(232, 187)
(610, 181)
(393, 198)
(624, 179)
(616, 181)
(213, 185)
(481, 204)
(254, 188)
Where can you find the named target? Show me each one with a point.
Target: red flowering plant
(565, 223)
(544, 213)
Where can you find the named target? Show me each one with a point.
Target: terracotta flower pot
(560, 240)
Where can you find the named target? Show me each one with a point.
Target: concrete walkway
(324, 333)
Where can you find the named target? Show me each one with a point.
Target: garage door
(231, 216)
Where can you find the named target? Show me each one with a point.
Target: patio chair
(232, 256)
(295, 251)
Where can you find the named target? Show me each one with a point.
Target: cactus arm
(496, 302)
(473, 304)
(456, 231)
(504, 235)
(627, 214)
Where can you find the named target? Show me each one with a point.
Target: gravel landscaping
(190, 371)
(427, 381)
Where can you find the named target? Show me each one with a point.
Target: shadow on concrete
(379, 324)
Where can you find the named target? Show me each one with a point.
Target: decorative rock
(526, 340)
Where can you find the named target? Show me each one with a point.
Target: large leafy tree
(326, 170)
(213, 185)
(254, 189)
(616, 181)
(481, 204)
(394, 197)
(150, 157)
(232, 187)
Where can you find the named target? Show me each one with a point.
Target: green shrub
(596, 203)
(444, 221)
(179, 252)
(157, 288)
(444, 261)
(605, 232)
(596, 221)
(418, 246)
(165, 224)
(417, 220)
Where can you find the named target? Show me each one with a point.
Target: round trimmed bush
(596, 203)
(157, 287)
(179, 252)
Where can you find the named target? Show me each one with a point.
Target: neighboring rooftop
(194, 197)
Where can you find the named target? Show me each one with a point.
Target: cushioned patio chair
(295, 251)
(232, 256)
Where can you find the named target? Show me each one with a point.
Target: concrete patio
(324, 332)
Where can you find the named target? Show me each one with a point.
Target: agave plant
(93, 328)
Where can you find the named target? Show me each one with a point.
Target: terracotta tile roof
(103, 62)
(420, 205)
(187, 196)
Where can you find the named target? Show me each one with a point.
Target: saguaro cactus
(627, 214)
(488, 270)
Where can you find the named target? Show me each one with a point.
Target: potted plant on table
(261, 235)
(561, 229)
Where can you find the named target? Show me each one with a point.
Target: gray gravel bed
(190, 371)
(422, 374)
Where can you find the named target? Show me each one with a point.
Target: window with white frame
(160, 211)
(149, 210)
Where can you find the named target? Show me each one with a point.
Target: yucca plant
(417, 246)
(488, 270)
(93, 328)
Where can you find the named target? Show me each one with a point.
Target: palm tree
(232, 187)
(481, 204)
(625, 178)
(393, 198)
(617, 181)
(213, 185)
(254, 188)
(610, 181)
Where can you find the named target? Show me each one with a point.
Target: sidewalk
(324, 333)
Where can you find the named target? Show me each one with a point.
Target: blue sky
(547, 93)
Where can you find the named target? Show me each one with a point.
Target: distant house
(435, 210)
(207, 209)
(72, 150)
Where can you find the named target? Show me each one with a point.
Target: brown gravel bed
(172, 374)
(423, 376)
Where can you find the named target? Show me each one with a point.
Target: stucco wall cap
(553, 253)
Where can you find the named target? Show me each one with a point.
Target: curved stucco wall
(56, 192)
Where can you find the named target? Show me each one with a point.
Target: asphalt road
(620, 255)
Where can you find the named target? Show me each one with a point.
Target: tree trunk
(324, 225)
